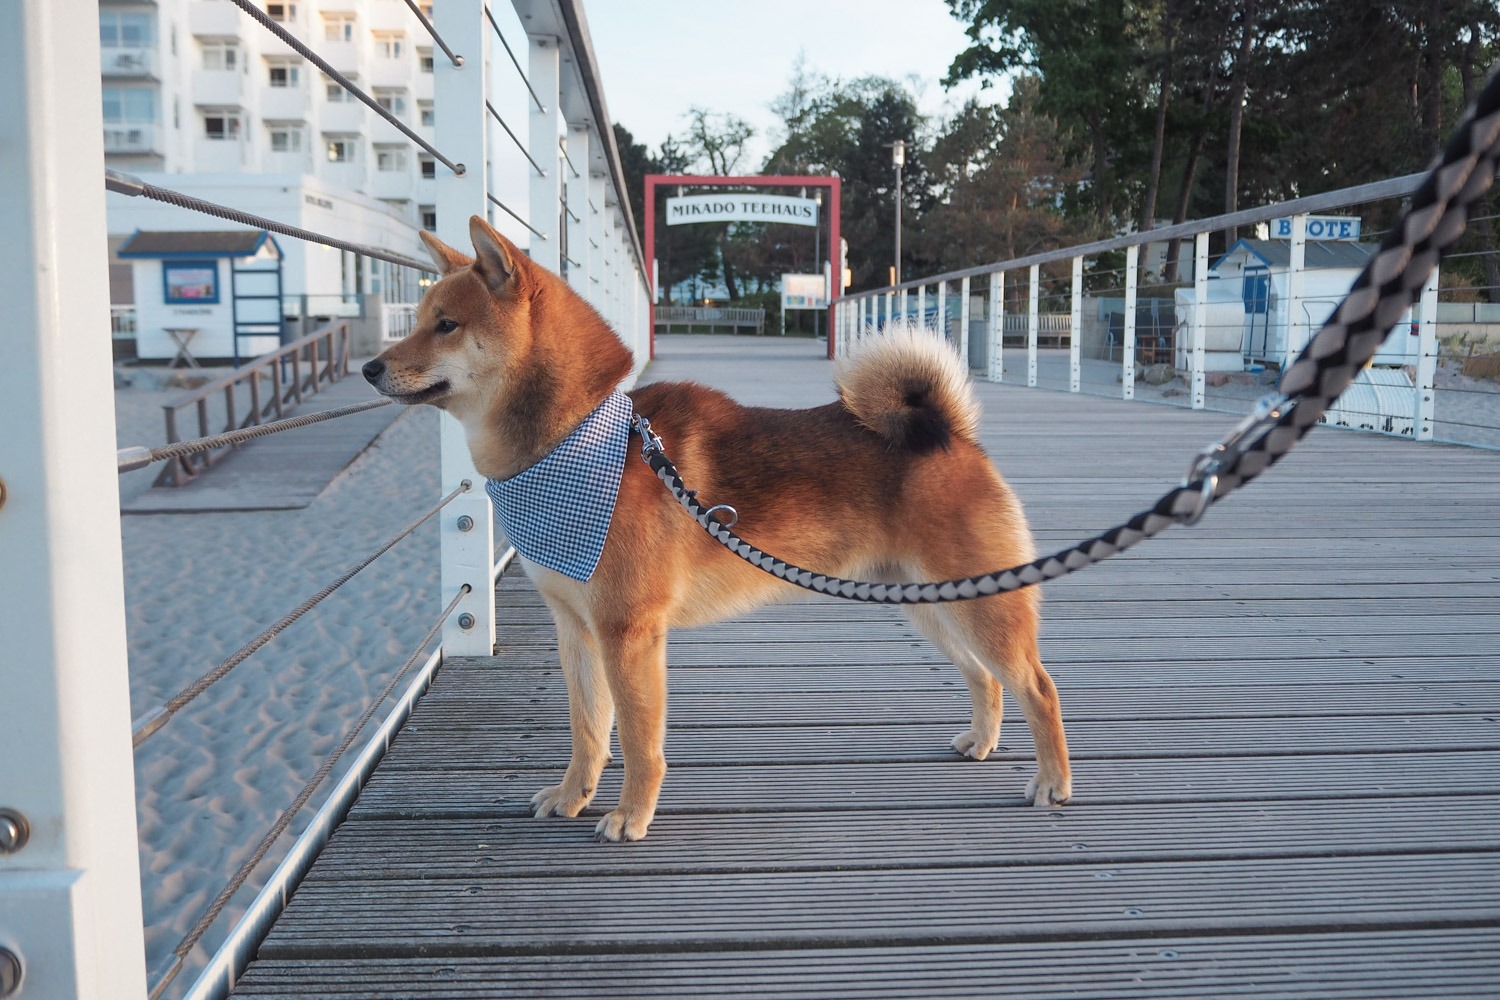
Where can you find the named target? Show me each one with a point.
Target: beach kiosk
(205, 294)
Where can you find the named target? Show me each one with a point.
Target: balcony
(214, 19)
(384, 71)
(344, 116)
(128, 63)
(392, 185)
(127, 139)
(342, 56)
(285, 104)
(223, 88)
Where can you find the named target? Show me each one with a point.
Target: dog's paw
(560, 800)
(972, 744)
(1045, 792)
(621, 826)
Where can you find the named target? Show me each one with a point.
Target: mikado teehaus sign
(741, 208)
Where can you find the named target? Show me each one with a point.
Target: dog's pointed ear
(494, 255)
(445, 257)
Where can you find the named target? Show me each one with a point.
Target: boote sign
(741, 208)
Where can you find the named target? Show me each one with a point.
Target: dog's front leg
(590, 713)
(635, 662)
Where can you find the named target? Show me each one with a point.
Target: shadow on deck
(1285, 725)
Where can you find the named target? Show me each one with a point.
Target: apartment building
(199, 98)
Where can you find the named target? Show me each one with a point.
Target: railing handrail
(253, 367)
(727, 312)
(1394, 187)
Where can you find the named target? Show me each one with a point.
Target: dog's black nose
(373, 370)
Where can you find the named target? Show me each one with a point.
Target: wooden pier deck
(1285, 725)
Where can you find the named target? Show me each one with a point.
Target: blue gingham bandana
(557, 512)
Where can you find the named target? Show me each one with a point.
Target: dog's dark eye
(446, 325)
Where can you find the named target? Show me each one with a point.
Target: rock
(1216, 379)
(1158, 374)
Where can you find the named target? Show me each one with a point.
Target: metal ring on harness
(734, 515)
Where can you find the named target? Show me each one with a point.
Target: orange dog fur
(849, 488)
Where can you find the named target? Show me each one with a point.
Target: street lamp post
(898, 157)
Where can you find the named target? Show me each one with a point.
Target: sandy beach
(197, 587)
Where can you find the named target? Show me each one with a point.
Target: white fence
(1156, 316)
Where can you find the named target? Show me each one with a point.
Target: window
(285, 139)
(194, 281)
(125, 30)
(281, 11)
(338, 27)
(429, 217)
(224, 55)
(221, 126)
(392, 100)
(338, 95)
(340, 149)
(129, 105)
(424, 60)
(390, 44)
(389, 159)
(429, 166)
(425, 114)
(426, 6)
(284, 74)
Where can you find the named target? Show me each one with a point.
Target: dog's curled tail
(911, 388)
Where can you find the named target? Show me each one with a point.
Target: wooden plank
(438, 792)
(1314, 966)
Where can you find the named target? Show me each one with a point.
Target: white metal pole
(890, 307)
(1296, 314)
(596, 240)
(544, 126)
(963, 321)
(1075, 328)
(1200, 319)
(1127, 351)
(995, 327)
(902, 304)
(1033, 308)
(577, 183)
(465, 553)
(940, 310)
(922, 306)
(70, 895)
(1426, 359)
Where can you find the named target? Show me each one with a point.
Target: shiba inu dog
(887, 483)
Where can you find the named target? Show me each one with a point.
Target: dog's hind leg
(590, 714)
(635, 661)
(984, 731)
(1001, 632)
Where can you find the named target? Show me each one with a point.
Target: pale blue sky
(658, 58)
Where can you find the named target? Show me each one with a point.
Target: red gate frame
(834, 185)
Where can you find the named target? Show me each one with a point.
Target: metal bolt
(14, 832)
(465, 621)
(465, 523)
(11, 972)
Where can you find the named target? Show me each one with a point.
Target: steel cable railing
(151, 722)
(123, 183)
(237, 881)
(427, 23)
(264, 19)
(139, 456)
(489, 15)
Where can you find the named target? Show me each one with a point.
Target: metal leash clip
(1220, 455)
(650, 442)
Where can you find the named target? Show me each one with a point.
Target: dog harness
(557, 512)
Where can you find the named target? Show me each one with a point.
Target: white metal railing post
(901, 304)
(576, 180)
(70, 889)
(1033, 308)
(922, 306)
(940, 310)
(1200, 319)
(890, 307)
(1127, 335)
(963, 321)
(995, 327)
(1075, 330)
(543, 127)
(1296, 322)
(1426, 359)
(466, 526)
(596, 239)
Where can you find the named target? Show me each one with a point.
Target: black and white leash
(1384, 290)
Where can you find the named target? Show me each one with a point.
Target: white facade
(200, 98)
